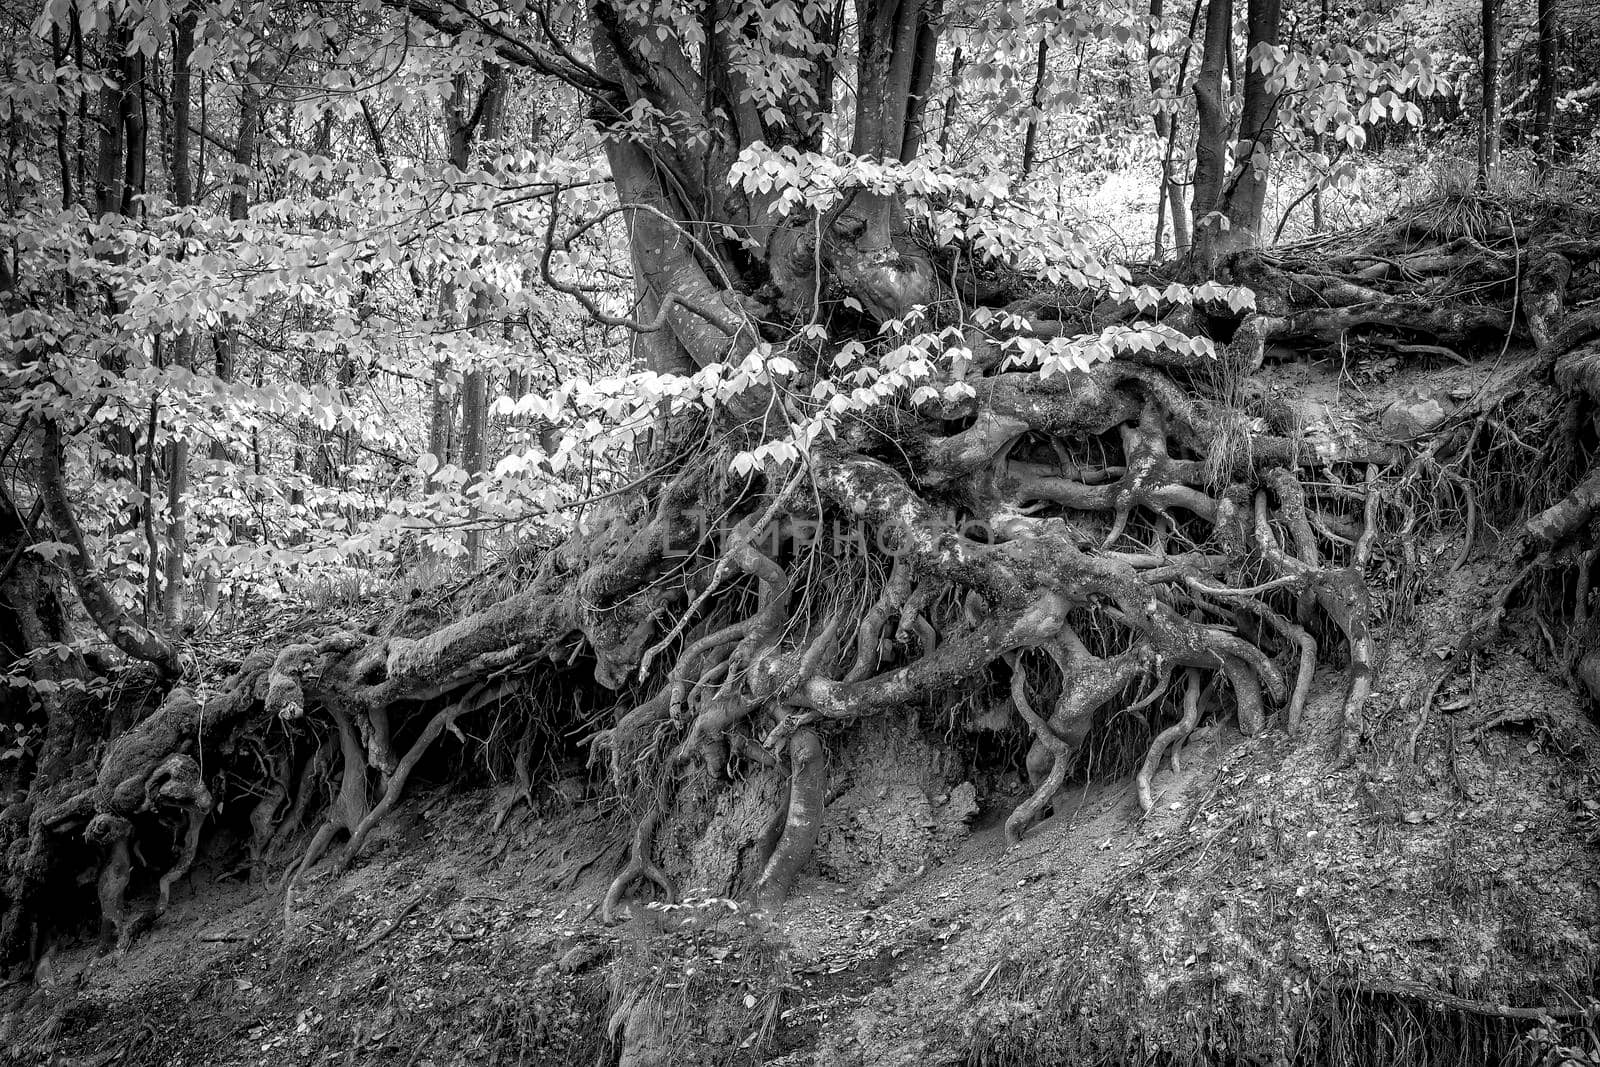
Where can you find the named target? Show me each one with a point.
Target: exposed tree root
(640, 866)
(477, 697)
(1568, 517)
(350, 806)
(1450, 1001)
(808, 777)
(1146, 517)
(1087, 683)
(1170, 738)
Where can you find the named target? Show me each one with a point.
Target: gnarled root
(1568, 517)
(264, 819)
(350, 807)
(808, 777)
(114, 834)
(1342, 595)
(312, 776)
(191, 843)
(639, 867)
(1087, 682)
(520, 791)
(1172, 737)
(480, 696)
(1143, 507)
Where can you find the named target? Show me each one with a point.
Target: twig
(1422, 712)
(392, 925)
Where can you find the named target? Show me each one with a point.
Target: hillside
(1434, 900)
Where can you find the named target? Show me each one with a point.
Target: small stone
(1412, 415)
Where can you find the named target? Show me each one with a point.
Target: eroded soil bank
(1272, 908)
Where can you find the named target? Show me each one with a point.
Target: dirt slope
(1264, 899)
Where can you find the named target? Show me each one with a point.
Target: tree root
(479, 697)
(350, 807)
(1451, 1002)
(1570, 516)
(639, 867)
(264, 819)
(1087, 683)
(1172, 737)
(520, 791)
(1137, 522)
(808, 778)
(312, 776)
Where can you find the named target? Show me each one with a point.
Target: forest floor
(1273, 907)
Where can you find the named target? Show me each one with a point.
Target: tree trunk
(1163, 125)
(102, 606)
(117, 164)
(224, 340)
(1170, 199)
(1030, 135)
(1246, 200)
(1489, 72)
(1319, 142)
(482, 123)
(1211, 115)
(1234, 220)
(177, 455)
(1544, 105)
(952, 97)
(108, 171)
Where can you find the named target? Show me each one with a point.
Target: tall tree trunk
(1544, 101)
(1163, 124)
(441, 409)
(475, 389)
(224, 342)
(1211, 113)
(108, 171)
(114, 165)
(464, 128)
(474, 409)
(135, 121)
(1169, 198)
(1246, 200)
(1319, 141)
(177, 457)
(1318, 222)
(952, 97)
(1030, 135)
(97, 599)
(1238, 203)
(1489, 133)
(243, 156)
